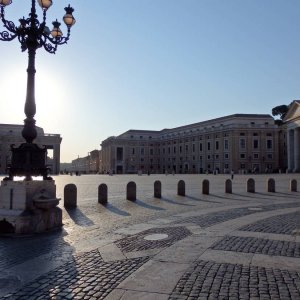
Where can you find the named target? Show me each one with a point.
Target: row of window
(255, 145)
(256, 156)
(200, 138)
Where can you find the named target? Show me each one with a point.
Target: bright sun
(50, 99)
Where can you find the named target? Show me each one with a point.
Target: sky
(153, 64)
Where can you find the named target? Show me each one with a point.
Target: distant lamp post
(28, 159)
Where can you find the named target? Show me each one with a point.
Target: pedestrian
(232, 174)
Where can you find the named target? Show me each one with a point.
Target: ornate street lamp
(28, 159)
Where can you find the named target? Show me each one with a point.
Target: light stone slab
(162, 221)
(155, 277)
(135, 229)
(135, 295)
(116, 294)
(276, 262)
(230, 257)
(186, 250)
(111, 253)
(91, 243)
(150, 252)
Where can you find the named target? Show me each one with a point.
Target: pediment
(293, 112)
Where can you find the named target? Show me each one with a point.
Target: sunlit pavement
(216, 246)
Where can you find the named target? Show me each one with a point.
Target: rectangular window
(180, 149)
(194, 147)
(151, 151)
(242, 143)
(270, 156)
(133, 151)
(269, 144)
(142, 151)
(208, 146)
(242, 155)
(255, 144)
(174, 149)
(217, 145)
(226, 155)
(226, 144)
(119, 153)
(256, 156)
(186, 148)
(200, 147)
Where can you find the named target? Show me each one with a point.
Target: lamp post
(28, 159)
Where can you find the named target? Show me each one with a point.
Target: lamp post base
(28, 160)
(28, 207)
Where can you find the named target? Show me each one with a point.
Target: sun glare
(50, 99)
(12, 97)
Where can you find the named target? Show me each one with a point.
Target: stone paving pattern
(12, 254)
(209, 280)
(258, 245)
(222, 216)
(221, 249)
(87, 276)
(284, 224)
(138, 243)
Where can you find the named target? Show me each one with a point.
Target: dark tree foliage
(280, 111)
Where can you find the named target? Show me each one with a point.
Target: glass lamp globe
(45, 4)
(56, 32)
(69, 20)
(5, 2)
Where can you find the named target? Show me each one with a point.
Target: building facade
(292, 129)
(240, 142)
(86, 165)
(12, 134)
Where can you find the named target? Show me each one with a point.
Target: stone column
(296, 150)
(56, 159)
(290, 149)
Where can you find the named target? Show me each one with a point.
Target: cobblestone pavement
(218, 246)
(258, 245)
(86, 276)
(209, 280)
(13, 254)
(284, 224)
(139, 242)
(222, 216)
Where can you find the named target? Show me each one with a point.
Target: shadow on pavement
(174, 202)
(253, 196)
(17, 251)
(292, 195)
(145, 205)
(202, 200)
(116, 210)
(79, 217)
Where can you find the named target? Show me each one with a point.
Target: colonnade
(293, 148)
